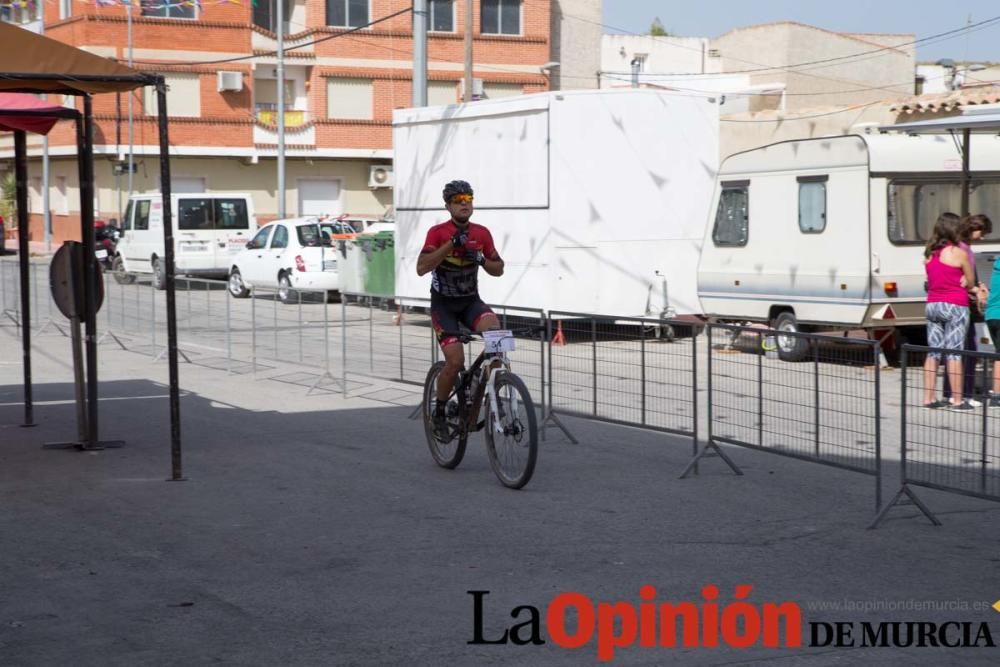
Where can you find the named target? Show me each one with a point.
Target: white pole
(468, 52)
(419, 53)
(281, 107)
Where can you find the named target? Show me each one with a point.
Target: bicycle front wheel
(447, 454)
(512, 432)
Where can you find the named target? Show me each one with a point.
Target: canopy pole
(85, 164)
(966, 136)
(176, 470)
(21, 177)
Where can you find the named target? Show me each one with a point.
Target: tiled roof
(950, 101)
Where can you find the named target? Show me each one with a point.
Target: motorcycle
(106, 237)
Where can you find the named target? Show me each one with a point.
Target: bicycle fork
(491, 394)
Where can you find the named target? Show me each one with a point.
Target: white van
(829, 233)
(209, 229)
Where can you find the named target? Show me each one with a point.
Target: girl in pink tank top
(947, 266)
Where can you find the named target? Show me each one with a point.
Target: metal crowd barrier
(825, 408)
(10, 293)
(629, 371)
(943, 449)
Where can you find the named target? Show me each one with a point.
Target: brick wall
(227, 118)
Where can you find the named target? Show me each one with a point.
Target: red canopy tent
(20, 111)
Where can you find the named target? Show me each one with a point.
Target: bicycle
(507, 414)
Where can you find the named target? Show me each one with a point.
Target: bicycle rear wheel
(514, 449)
(446, 454)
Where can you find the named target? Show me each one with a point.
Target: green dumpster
(380, 265)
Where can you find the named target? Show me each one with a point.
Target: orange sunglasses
(461, 199)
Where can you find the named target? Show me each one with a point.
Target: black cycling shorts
(448, 312)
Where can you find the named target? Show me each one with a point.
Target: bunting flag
(146, 4)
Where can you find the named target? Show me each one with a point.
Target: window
(183, 96)
(142, 214)
(12, 11)
(65, 9)
(35, 195)
(265, 14)
(127, 220)
(280, 239)
(309, 236)
(231, 214)
(443, 15)
(347, 13)
(812, 204)
(501, 17)
(61, 203)
(350, 98)
(914, 206)
(497, 90)
(266, 93)
(732, 219)
(169, 10)
(441, 92)
(260, 240)
(194, 214)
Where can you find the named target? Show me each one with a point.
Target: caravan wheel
(790, 348)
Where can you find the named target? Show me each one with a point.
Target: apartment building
(348, 65)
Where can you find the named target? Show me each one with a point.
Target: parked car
(287, 254)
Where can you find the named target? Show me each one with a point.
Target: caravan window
(732, 219)
(914, 206)
(812, 204)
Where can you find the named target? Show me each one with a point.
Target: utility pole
(419, 53)
(281, 107)
(468, 51)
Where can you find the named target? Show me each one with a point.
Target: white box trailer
(597, 200)
(829, 233)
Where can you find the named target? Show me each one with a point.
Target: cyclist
(453, 252)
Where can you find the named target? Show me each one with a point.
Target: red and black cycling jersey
(457, 275)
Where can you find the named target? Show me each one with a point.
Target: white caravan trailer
(597, 200)
(830, 232)
(209, 229)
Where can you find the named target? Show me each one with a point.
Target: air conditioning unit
(477, 89)
(229, 81)
(380, 176)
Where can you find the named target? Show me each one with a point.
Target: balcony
(267, 114)
(298, 129)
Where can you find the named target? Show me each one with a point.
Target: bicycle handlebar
(467, 336)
